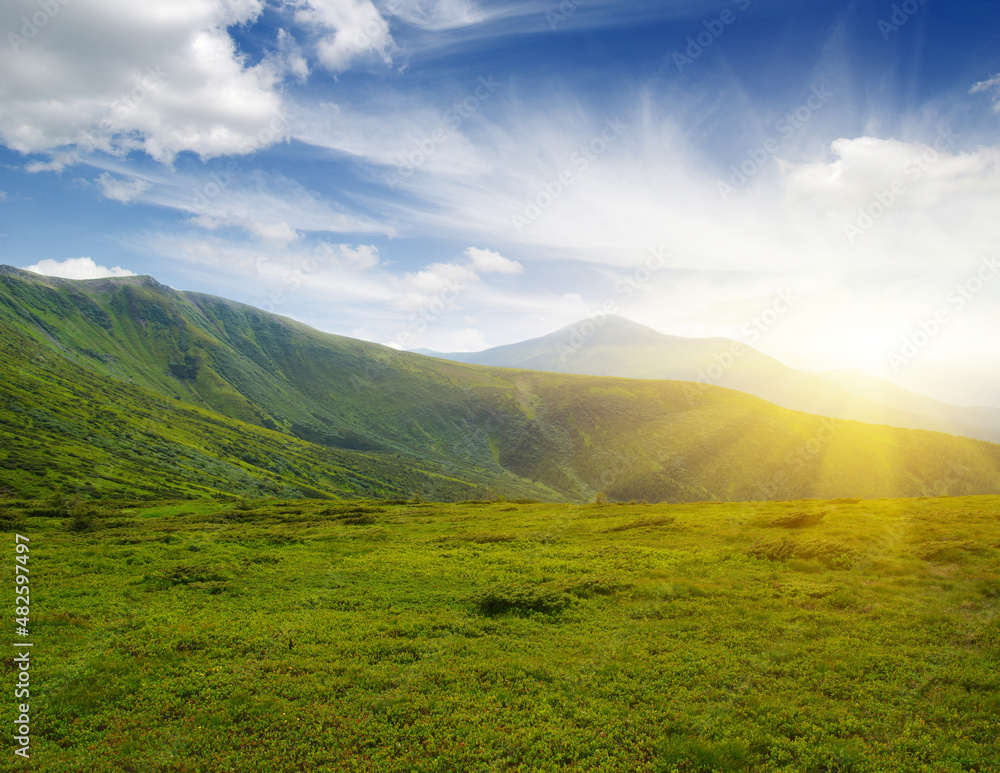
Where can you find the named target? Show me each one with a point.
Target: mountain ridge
(362, 417)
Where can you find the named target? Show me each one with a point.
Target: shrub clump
(521, 599)
(360, 520)
(798, 519)
(645, 523)
(199, 577)
(354, 515)
(830, 552)
(951, 550)
(351, 510)
(700, 756)
(484, 538)
(598, 586)
(10, 521)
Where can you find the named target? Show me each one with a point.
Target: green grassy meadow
(309, 635)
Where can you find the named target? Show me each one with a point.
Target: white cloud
(278, 233)
(869, 166)
(488, 261)
(354, 29)
(439, 284)
(76, 268)
(121, 190)
(56, 164)
(364, 256)
(446, 286)
(168, 79)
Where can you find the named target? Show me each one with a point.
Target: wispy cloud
(124, 191)
(990, 86)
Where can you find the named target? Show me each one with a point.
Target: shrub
(952, 550)
(46, 512)
(280, 538)
(598, 586)
(522, 599)
(361, 520)
(829, 552)
(81, 521)
(351, 510)
(354, 515)
(798, 519)
(488, 537)
(82, 518)
(10, 522)
(203, 577)
(645, 523)
(695, 755)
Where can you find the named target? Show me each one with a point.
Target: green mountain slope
(64, 428)
(615, 346)
(133, 370)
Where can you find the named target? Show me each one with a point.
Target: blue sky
(456, 175)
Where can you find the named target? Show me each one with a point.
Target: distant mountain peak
(612, 328)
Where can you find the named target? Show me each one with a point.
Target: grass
(267, 635)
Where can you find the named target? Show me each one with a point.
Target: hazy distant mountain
(615, 346)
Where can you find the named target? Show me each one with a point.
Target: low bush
(203, 577)
(598, 586)
(798, 519)
(951, 550)
(645, 523)
(484, 538)
(830, 552)
(522, 599)
(697, 756)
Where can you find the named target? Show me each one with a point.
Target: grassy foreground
(308, 636)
